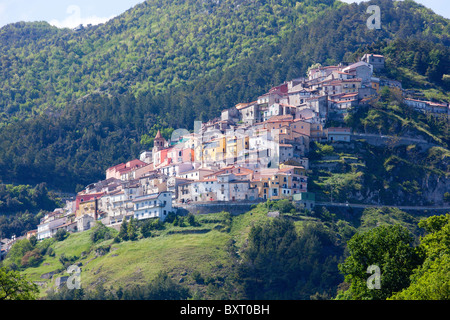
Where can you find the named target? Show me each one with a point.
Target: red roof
(117, 166)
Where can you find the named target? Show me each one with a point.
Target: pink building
(121, 171)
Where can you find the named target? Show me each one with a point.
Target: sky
(63, 13)
(71, 13)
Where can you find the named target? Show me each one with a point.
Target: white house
(176, 169)
(196, 174)
(157, 205)
(48, 226)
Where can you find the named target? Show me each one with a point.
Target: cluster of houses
(255, 151)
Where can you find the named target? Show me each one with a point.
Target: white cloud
(74, 19)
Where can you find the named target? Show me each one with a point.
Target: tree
(278, 263)
(13, 286)
(17, 251)
(132, 229)
(123, 233)
(191, 220)
(390, 249)
(164, 288)
(431, 280)
(146, 229)
(284, 206)
(101, 232)
(61, 235)
(31, 259)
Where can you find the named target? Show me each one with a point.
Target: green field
(178, 251)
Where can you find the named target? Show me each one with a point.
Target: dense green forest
(408, 271)
(73, 146)
(22, 206)
(152, 47)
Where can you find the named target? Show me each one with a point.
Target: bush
(284, 206)
(61, 235)
(44, 246)
(191, 220)
(67, 261)
(100, 232)
(146, 229)
(18, 251)
(170, 217)
(179, 221)
(50, 252)
(164, 288)
(197, 277)
(31, 259)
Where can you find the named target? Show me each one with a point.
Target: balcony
(148, 206)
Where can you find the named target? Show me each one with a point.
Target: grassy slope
(180, 254)
(138, 262)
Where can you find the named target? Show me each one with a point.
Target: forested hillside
(73, 103)
(74, 145)
(152, 47)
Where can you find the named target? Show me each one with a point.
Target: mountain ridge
(75, 144)
(151, 46)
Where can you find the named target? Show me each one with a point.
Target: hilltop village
(255, 151)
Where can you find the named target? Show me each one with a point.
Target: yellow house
(214, 150)
(282, 183)
(375, 85)
(236, 146)
(86, 207)
(274, 187)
